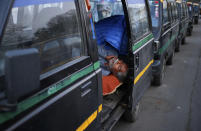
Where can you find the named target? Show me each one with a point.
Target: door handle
(137, 61)
(85, 89)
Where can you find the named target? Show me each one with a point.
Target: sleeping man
(112, 42)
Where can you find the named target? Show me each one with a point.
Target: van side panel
(144, 73)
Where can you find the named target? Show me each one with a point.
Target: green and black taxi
(184, 20)
(190, 13)
(165, 30)
(73, 64)
(174, 24)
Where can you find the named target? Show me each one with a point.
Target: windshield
(51, 26)
(154, 7)
(102, 9)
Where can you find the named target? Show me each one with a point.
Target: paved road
(175, 105)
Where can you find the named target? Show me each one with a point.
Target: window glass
(138, 17)
(176, 11)
(183, 10)
(179, 10)
(190, 10)
(51, 26)
(154, 8)
(102, 9)
(186, 8)
(171, 11)
(165, 12)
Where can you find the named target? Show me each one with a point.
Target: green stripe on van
(161, 50)
(30, 102)
(142, 42)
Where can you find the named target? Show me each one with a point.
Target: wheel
(170, 60)
(177, 49)
(132, 115)
(158, 80)
(190, 32)
(184, 41)
(196, 21)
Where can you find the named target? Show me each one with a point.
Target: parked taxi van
(165, 24)
(184, 20)
(190, 13)
(50, 69)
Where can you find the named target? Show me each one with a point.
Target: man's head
(117, 67)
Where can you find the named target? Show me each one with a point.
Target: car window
(176, 11)
(183, 10)
(51, 26)
(170, 11)
(165, 12)
(154, 8)
(138, 18)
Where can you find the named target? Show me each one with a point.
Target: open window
(110, 26)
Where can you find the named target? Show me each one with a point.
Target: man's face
(117, 67)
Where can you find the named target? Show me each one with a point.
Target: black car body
(50, 76)
(165, 35)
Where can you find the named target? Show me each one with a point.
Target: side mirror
(22, 76)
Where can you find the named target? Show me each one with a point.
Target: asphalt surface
(176, 104)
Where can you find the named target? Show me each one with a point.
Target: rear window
(51, 26)
(102, 9)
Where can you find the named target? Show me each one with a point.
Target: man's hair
(120, 75)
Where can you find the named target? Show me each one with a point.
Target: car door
(141, 42)
(68, 97)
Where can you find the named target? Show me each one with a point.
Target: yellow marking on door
(143, 71)
(100, 108)
(89, 120)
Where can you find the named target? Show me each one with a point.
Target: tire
(158, 80)
(177, 49)
(132, 115)
(196, 22)
(183, 41)
(190, 32)
(170, 60)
